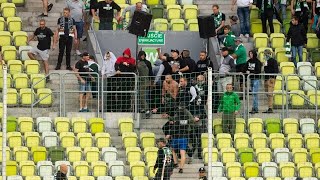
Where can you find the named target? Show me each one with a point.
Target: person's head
(127, 53)
(64, 168)
(42, 23)
(238, 40)
(165, 56)
(215, 9)
(185, 53)
(267, 54)
(233, 19)
(229, 87)
(161, 142)
(253, 54)
(174, 53)
(226, 29)
(108, 1)
(203, 55)
(200, 79)
(142, 55)
(91, 58)
(295, 20)
(138, 6)
(224, 51)
(85, 56)
(183, 82)
(202, 172)
(168, 79)
(66, 12)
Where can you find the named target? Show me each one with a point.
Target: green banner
(153, 38)
(152, 54)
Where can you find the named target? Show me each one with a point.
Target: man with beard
(203, 64)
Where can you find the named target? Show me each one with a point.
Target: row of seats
(27, 96)
(17, 177)
(27, 66)
(10, 53)
(18, 38)
(280, 54)
(22, 80)
(297, 98)
(8, 9)
(11, 24)
(155, 2)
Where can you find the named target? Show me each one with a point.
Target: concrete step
(190, 171)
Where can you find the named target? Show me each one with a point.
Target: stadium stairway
(205, 7)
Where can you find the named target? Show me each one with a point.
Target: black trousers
(65, 42)
(166, 174)
(195, 138)
(267, 15)
(303, 18)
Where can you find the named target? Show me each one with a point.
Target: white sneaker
(78, 52)
(241, 35)
(247, 36)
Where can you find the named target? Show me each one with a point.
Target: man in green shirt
(229, 38)
(229, 107)
(240, 55)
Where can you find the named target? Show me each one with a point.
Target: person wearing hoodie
(253, 66)
(298, 37)
(94, 68)
(203, 64)
(270, 67)
(227, 66)
(229, 38)
(125, 64)
(145, 73)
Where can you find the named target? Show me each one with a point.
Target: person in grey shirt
(131, 9)
(235, 26)
(227, 66)
(77, 12)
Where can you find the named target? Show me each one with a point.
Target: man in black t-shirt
(204, 63)
(43, 35)
(105, 9)
(62, 173)
(84, 81)
(178, 64)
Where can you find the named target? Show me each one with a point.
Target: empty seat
(8, 153)
(20, 81)
(45, 168)
(241, 140)
(12, 96)
(259, 140)
(129, 139)
(50, 139)
(45, 96)
(38, 81)
(299, 155)
(255, 125)
(27, 96)
(290, 126)
(122, 178)
(193, 25)
(228, 155)
(287, 169)
(297, 98)
(277, 40)
(314, 97)
(8, 10)
(96, 125)
(5, 38)
(307, 125)
(125, 125)
(2, 24)
(79, 125)
(246, 155)
(317, 69)
(116, 168)
(109, 154)
(32, 66)
(251, 169)
(159, 24)
(233, 169)
(85, 140)
(287, 68)
(169, 2)
(157, 11)
(317, 170)
(273, 125)
(217, 169)
(152, 2)
(91, 154)
(295, 141)
(15, 177)
(9, 53)
(12, 168)
(102, 140)
(147, 139)
(62, 124)
(269, 169)
(44, 124)
(20, 38)
(276, 140)
(279, 84)
(9, 80)
(310, 83)
(74, 154)
(32, 178)
(311, 140)
(137, 168)
(39, 153)
(281, 155)
(32, 139)
(177, 25)
(23, 52)
(67, 139)
(56, 154)
(104, 178)
(99, 168)
(27, 168)
(14, 66)
(305, 169)
(205, 140)
(140, 178)
(260, 40)
(293, 83)
(14, 139)
(190, 11)
(81, 168)
(224, 140)
(304, 68)
(313, 41)
(205, 155)
(25, 124)
(21, 153)
(86, 178)
(173, 11)
(150, 154)
(133, 154)
(217, 126)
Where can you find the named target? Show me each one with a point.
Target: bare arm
(175, 90)
(184, 69)
(159, 53)
(75, 32)
(292, 6)
(31, 37)
(221, 26)
(163, 88)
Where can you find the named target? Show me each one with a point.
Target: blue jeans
(255, 83)
(105, 25)
(294, 50)
(283, 11)
(79, 26)
(315, 22)
(244, 17)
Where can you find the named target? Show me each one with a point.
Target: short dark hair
(227, 27)
(296, 18)
(215, 5)
(224, 49)
(205, 52)
(66, 9)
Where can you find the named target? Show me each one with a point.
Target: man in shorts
(82, 67)
(43, 35)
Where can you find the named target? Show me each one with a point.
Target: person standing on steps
(164, 162)
(266, 9)
(46, 8)
(243, 12)
(43, 35)
(67, 32)
(106, 12)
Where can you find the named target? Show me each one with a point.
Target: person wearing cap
(229, 37)
(270, 67)
(82, 67)
(203, 63)
(202, 174)
(235, 26)
(266, 13)
(243, 12)
(227, 66)
(180, 63)
(219, 19)
(240, 55)
(164, 163)
(253, 67)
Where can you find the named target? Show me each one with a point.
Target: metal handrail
(98, 48)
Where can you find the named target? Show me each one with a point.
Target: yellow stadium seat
(134, 1)
(280, 55)
(18, 2)
(129, 139)
(102, 140)
(12, 96)
(169, 2)
(147, 139)
(228, 155)
(120, 1)
(152, 2)
(240, 125)
(173, 11)
(122, 178)
(21, 153)
(260, 40)
(27, 168)
(96, 125)
(317, 69)
(255, 125)
(193, 25)
(177, 25)
(81, 168)
(9, 53)
(141, 178)
(295, 141)
(72, 178)
(31, 138)
(137, 168)
(79, 125)
(279, 98)
(5, 38)
(86, 178)
(224, 140)
(254, 13)
(256, 26)
(133, 154)
(150, 154)
(241, 140)
(67, 139)
(27, 96)
(125, 125)
(39, 153)
(9, 80)
(317, 170)
(287, 68)
(32, 66)
(290, 126)
(293, 83)
(263, 155)
(62, 124)
(159, 24)
(15, 66)
(99, 168)
(261, 55)
(259, 140)
(12, 168)
(14, 24)
(20, 38)
(2, 24)
(313, 41)
(277, 40)
(297, 98)
(33, 178)
(205, 140)
(74, 154)
(233, 169)
(8, 10)
(20, 80)
(237, 178)
(38, 81)
(315, 155)
(116, 168)
(14, 139)
(314, 97)
(276, 140)
(25, 124)
(109, 154)
(304, 68)
(190, 11)
(45, 96)
(305, 169)
(278, 84)
(92, 154)
(8, 153)
(311, 140)
(299, 155)
(276, 26)
(205, 155)
(269, 169)
(217, 126)
(84, 140)
(150, 167)
(251, 169)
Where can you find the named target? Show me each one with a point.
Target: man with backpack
(164, 162)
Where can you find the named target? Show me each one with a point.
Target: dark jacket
(259, 4)
(297, 34)
(271, 68)
(191, 64)
(60, 176)
(254, 67)
(161, 158)
(202, 66)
